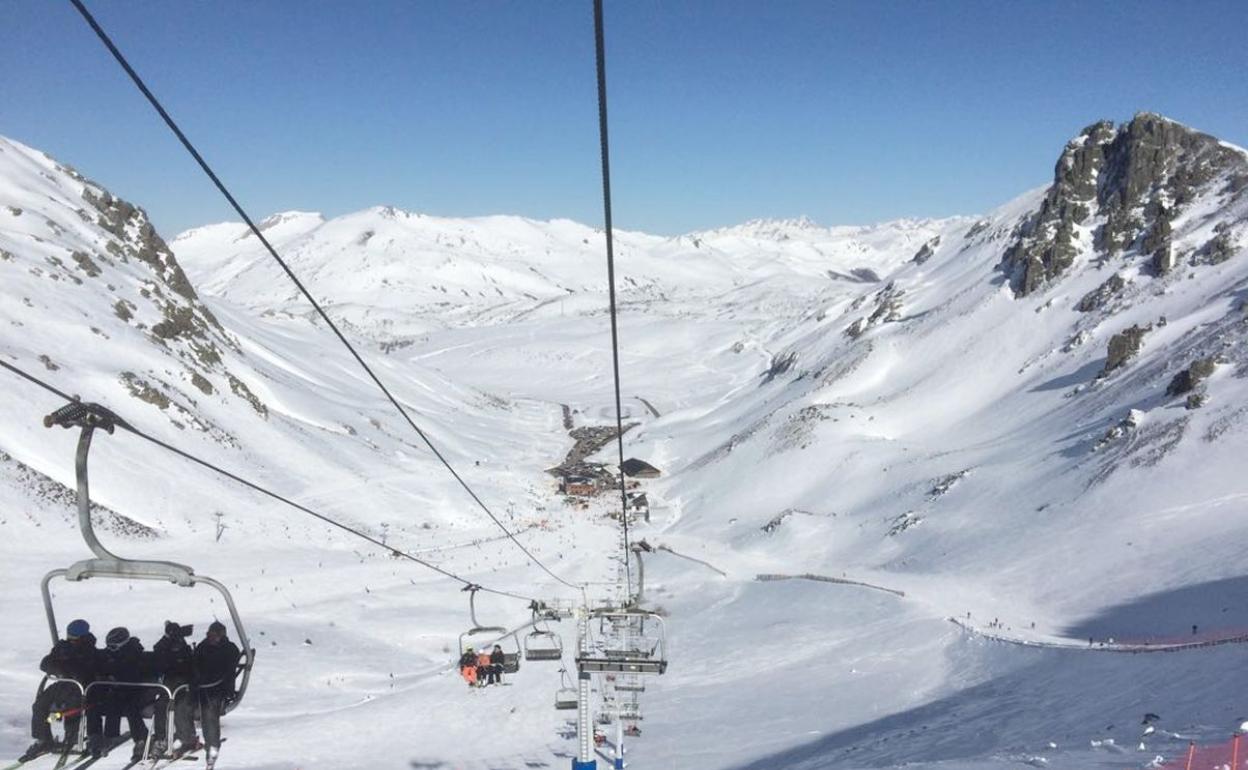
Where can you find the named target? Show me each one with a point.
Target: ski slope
(820, 402)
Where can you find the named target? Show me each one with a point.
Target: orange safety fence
(1224, 756)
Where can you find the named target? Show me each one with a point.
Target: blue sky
(721, 111)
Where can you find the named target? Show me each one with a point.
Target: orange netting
(1224, 756)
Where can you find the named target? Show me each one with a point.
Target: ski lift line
(203, 164)
(124, 425)
(604, 145)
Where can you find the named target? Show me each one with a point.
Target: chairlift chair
(511, 660)
(543, 645)
(567, 697)
(106, 565)
(628, 641)
(630, 683)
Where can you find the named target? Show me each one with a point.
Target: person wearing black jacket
(71, 658)
(121, 660)
(173, 663)
(216, 664)
(497, 659)
(468, 667)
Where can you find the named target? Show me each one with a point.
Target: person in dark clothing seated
(216, 665)
(497, 659)
(72, 661)
(173, 663)
(121, 660)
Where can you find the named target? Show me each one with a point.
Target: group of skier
(120, 681)
(482, 668)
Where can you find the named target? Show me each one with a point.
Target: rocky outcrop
(1124, 186)
(925, 253)
(780, 363)
(1219, 248)
(1101, 295)
(1157, 243)
(887, 309)
(1190, 378)
(1124, 346)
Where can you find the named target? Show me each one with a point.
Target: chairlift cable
(604, 145)
(125, 425)
(151, 98)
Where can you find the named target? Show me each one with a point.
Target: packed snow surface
(837, 410)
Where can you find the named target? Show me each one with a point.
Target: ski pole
(57, 716)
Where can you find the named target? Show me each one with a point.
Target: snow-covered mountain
(1031, 421)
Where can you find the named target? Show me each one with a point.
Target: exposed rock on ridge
(1123, 187)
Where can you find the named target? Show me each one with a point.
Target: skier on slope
(174, 666)
(216, 665)
(71, 658)
(497, 660)
(468, 667)
(121, 660)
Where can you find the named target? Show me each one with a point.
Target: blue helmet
(77, 628)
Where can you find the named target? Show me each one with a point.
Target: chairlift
(511, 659)
(630, 683)
(88, 417)
(542, 644)
(567, 697)
(628, 641)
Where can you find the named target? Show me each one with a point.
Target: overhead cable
(601, 49)
(127, 426)
(151, 98)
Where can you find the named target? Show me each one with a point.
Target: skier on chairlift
(71, 658)
(173, 663)
(485, 670)
(121, 660)
(468, 667)
(216, 665)
(497, 661)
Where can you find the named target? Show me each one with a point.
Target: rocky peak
(1123, 186)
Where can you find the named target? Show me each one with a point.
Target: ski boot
(41, 746)
(181, 747)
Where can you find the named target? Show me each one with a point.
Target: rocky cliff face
(94, 272)
(1117, 191)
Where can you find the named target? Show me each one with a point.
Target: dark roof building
(639, 469)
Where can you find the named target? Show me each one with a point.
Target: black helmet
(217, 628)
(175, 631)
(117, 638)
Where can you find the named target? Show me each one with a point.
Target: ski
(112, 744)
(162, 762)
(188, 755)
(64, 760)
(19, 763)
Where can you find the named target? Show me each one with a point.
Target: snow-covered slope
(1031, 421)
